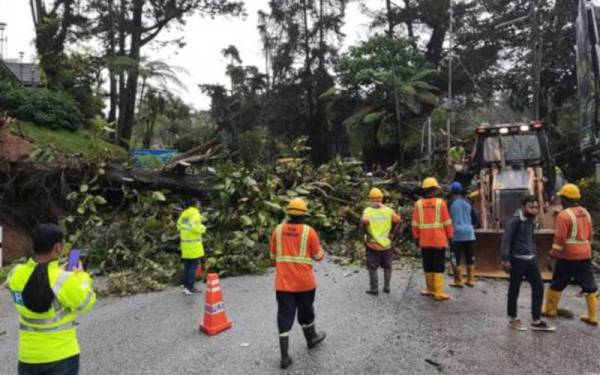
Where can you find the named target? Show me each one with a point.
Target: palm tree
(164, 74)
(233, 54)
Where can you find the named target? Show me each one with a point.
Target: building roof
(27, 73)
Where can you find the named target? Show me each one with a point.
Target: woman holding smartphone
(48, 299)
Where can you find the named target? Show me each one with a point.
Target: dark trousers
(188, 278)
(379, 258)
(577, 272)
(288, 303)
(68, 366)
(434, 260)
(525, 270)
(459, 248)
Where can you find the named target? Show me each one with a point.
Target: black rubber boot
(284, 343)
(313, 338)
(387, 277)
(374, 283)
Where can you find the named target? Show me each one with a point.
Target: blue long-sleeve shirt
(464, 220)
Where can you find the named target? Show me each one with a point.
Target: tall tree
(137, 23)
(389, 79)
(306, 31)
(54, 21)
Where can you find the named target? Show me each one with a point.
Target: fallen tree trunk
(57, 180)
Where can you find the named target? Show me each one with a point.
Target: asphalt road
(400, 333)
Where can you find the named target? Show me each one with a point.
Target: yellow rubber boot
(428, 291)
(438, 286)
(471, 275)
(458, 277)
(592, 304)
(552, 299)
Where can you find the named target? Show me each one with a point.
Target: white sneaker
(187, 292)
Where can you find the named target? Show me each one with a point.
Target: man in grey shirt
(520, 261)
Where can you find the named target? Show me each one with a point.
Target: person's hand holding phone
(79, 267)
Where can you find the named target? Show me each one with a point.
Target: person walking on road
(48, 299)
(464, 221)
(572, 248)
(191, 230)
(520, 261)
(294, 245)
(432, 231)
(378, 222)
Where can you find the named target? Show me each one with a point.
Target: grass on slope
(67, 142)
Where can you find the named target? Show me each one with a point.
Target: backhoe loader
(510, 161)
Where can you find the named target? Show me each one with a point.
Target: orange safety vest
(431, 223)
(293, 249)
(573, 234)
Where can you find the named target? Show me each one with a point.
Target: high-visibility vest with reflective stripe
(576, 222)
(431, 223)
(301, 258)
(190, 232)
(51, 336)
(380, 225)
(293, 258)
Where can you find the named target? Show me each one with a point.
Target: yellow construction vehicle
(510, 161)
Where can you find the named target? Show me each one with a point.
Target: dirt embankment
(15, 241)
(12, 147)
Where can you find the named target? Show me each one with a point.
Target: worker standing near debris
(48, 300)
(294, 246)
(520, 261)
(191, 230)
(464, 221)
(573, 250)
(432, 231)
(379, 222)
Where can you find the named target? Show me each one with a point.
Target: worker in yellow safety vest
(48, 299)
(191, 230)
(380, 224)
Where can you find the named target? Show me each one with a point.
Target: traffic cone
(215, 319)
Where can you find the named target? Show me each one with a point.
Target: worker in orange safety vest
(432, 231)
(294, 246)
(572, 249)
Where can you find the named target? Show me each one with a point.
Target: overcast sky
(205, 39)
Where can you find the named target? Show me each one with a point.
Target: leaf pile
(136, 242)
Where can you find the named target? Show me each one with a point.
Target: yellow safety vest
(380, 224)
(51, 336)
(190, 231)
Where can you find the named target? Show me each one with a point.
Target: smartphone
(74, 255)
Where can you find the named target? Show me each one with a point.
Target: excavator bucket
(487, 253)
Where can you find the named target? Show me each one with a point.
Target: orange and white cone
(215, 319)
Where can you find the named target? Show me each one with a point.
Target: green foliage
(252, 146)
(51, 109)
(53, 142)
(131, 243)
(377, 73)
(79, 76)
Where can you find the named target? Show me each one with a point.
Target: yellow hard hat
(570, 191)
(430, 182)
(375, 194)
(297, 207)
